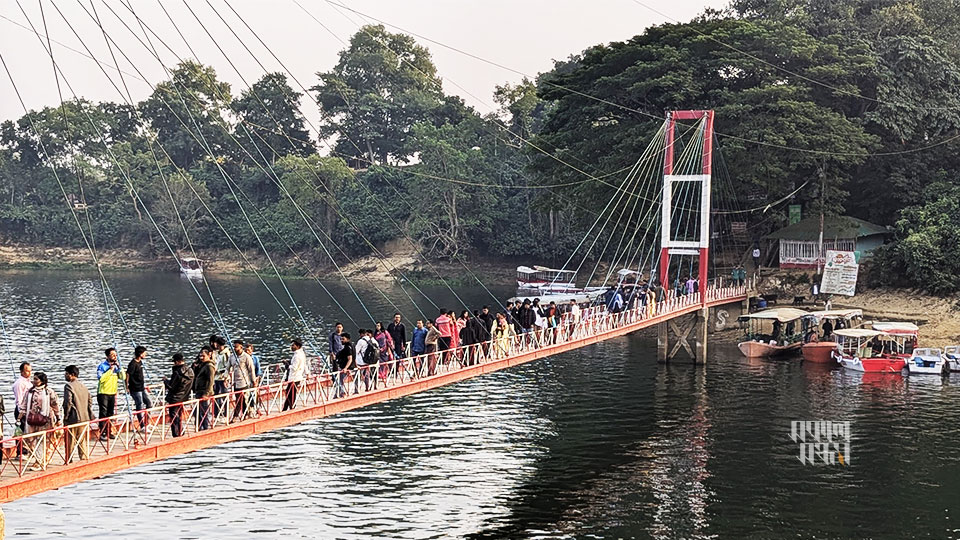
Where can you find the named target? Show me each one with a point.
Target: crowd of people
(222, 372)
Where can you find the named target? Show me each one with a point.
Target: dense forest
(860, 96)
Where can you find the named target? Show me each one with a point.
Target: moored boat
(820, 350)
(952, 355)
(774, 332)
(874, 351)
(928, 361)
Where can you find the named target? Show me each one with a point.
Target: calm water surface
(597, 443)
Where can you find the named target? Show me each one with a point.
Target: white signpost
(840, 273)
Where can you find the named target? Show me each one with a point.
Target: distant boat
(191, 267)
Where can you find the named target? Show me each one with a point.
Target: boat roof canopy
(778, 314)
(535, 269)
(189, 259)
(896, 327)
(858, 332)
(838, 314)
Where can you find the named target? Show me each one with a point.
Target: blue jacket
(418, 343)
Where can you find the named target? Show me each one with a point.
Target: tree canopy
(848, 106)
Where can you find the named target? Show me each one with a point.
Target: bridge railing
(123, 432)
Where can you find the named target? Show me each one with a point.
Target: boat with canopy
(820, 349)
(875, 350)
(774, 332)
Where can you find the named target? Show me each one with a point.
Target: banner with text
(840, 273)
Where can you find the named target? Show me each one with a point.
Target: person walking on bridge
(178, 390)
(204, 375)
(398, 332)
(221, 384)
(42, 413)
(335, 344)
(346, 361)
(430, 345)
(108, 377)
(296, 374)
(528, 319)
(136, 385)
(418, 347)
(21, 386)
(243, 378)
(77, 414)
(446, 328)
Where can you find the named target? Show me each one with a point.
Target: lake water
(602, 442)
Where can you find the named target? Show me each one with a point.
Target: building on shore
(799, 244)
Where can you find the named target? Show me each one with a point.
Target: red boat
(820, 349)
(884, 349)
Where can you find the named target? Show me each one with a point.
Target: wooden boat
(819, 349)
(774, 332)
(875, 351)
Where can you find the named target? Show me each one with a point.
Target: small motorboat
(952, 355)
(927, 360)
(819, 349)
(873, 351)
(191, 267)
(774, 332)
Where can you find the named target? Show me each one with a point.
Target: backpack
(371, 355)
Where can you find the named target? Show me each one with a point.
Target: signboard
(794, 213)
(840, 273)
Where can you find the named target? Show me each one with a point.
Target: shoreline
(398, 265)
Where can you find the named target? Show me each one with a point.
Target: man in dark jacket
(399, 334)
(205, 371)
(77, 411)
(527, 318)
(487, 319)
(178, 390)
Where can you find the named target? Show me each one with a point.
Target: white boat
(952, 355)
(191, 267)
(542, 280)
(927, 360)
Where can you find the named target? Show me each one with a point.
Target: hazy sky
(524, 35)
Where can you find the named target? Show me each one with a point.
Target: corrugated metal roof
(833, 227)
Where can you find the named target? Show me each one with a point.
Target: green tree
(312, 182)
(382, 85)
(187, 110)
(269, 112)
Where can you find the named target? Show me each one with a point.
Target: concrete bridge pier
(694, 326)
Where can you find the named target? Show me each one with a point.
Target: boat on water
(875, 350)
(540, 280)
(928, 361)
(550, 284)
(774, 332)
(820, 351)
(191, 267)
(952, 354)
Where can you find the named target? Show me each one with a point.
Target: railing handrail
(322, 388)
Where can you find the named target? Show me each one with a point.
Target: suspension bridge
(660, 222)
(50, 459)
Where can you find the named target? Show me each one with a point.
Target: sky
(524, 37)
